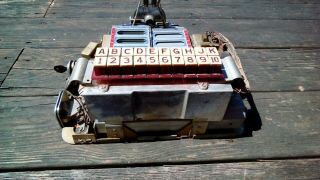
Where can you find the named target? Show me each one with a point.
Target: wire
(84, 109)
(135, 16)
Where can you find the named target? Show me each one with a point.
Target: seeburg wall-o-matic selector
(151, 80)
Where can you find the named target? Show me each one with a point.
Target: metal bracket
(203, 85)
(88, 73)
(129, 134)
(115, 131)
(78, 71)
(199, 126)
(186, 131)
(84, 138)
(104, 87)
(120, 132)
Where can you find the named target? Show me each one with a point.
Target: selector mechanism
(149, 12)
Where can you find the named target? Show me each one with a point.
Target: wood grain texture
(46, 59)
(290, 129)
(7, 59)
(2, 77)
(35, 79)
(23, 8)
(202, 9)
(282, 69)
(28, 91)
(65, 32)
(289, 169)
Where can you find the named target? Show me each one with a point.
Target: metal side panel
(157, 102)
(234, 116)
(78, 72)
(207, 106)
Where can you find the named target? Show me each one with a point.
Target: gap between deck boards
(292, 169)
(47, 10)
(154, 164)
(7, 74)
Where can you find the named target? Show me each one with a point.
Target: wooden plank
(7, 59)
(245, 33)
(35, 67)
(191, 9)
(290, 129)
(52, 33)
(2, 77)
(28, 91)
(46, 59)
(283, 69)
(281, 169)
(24, 8)
(35, 78)
(43, 60)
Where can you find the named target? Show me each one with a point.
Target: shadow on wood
(253, 120)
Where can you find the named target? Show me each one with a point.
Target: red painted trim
(113, 32)
(149, 79)
(186, 34)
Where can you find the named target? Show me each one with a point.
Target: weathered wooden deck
(277, 41)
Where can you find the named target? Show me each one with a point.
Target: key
(203, 64)
(176, 52)
(114, 52)
(200, 51)
(215, 63)
(153, 64)
(177, 64)
(113, 65)
(139, 51)
(140, 64)
(187, 52)
(126, 51)
(212, 51)
(164, 51)
(165, 64)
(101, 52)
(191, 65)
(126, 65)
(100, 65)
(152, 51)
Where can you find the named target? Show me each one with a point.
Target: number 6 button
(165, 64)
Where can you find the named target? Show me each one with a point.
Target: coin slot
(170, 43)
(131, 32)
(127, 41)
